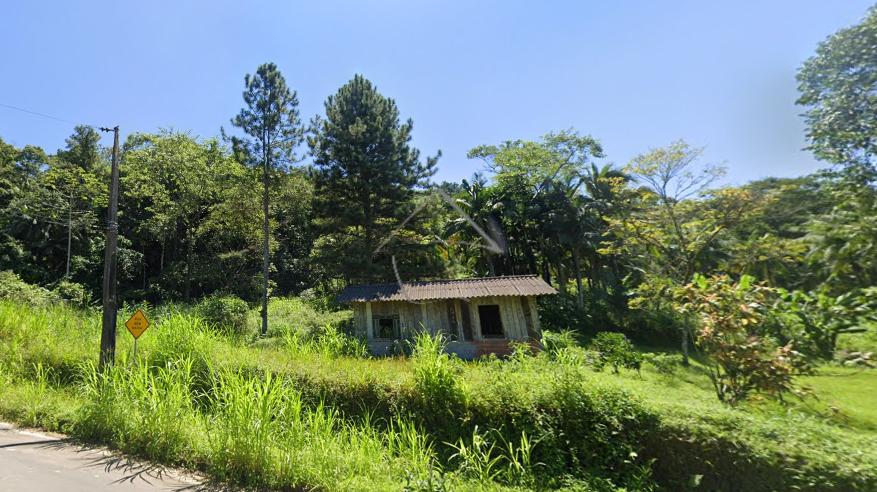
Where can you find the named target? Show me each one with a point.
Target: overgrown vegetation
(271, 415)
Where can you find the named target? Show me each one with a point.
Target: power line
(43, 115)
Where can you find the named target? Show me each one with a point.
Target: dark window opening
(386, 327)
(491, 323)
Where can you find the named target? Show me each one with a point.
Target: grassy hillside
(295, 411)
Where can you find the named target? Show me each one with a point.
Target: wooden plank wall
(414, 316)
(433, 315)
(513, 322)
(359, 319)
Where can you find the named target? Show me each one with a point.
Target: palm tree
(477, 201)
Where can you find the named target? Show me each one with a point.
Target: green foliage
(559, 313)
(435, 375)
(14, 289)
(226, 313)
(837, 90)
(484, 461)
(841, 241)
(141, 411)
(297, 316)
(554, 342)
(742, 360)
(330, 342)
(574, 426)
(76, 294)
(614, 349)
(814, 321)
(365, 181)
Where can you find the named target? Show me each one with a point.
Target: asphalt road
(36, 462)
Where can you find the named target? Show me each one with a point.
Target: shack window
(386, 326)
(491, 323)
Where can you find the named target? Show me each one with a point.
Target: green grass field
(295, 412)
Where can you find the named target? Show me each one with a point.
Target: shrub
(330, 342)
(742, 361)
(333, 343)
(489, 457)
(554, 341)
(180, 336)
(814, 321)
(227, 313)
(614, 349)
(295, 315)
(15, 289)
(560, 312)
(74, 293)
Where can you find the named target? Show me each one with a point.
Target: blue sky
(634, 75)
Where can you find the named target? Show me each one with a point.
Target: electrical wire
(43, 115)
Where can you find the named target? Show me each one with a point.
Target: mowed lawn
(845, 394)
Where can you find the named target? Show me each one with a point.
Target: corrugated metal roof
(515, 285)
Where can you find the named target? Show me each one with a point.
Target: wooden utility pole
(108, 332)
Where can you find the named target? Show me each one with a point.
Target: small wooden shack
(478, 315)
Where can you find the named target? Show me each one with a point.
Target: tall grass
(330, 342)
(306, 414)
(436, 371)
(140, 410)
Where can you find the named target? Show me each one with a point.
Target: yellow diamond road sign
(137, 324)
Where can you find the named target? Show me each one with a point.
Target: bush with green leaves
(73, 293)
(560, 312)
(330, 342)
(742, 360)
(287, 315)
(226, 313)
(13, 288)
(556, 341)
(435, 373)
(813, 321)
(614, 349)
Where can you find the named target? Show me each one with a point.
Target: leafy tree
(674, 220)
(273, 127)
(540, 186)
(293, 233)
(52, 208)
(843, 240)
(614, 349)
(838, 87)
(172, 189)
(74, 177)
(771, 245)
(367, 174)
(478, 202)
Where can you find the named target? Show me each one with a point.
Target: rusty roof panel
(516, 285)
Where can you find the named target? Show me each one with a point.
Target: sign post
(136, 325)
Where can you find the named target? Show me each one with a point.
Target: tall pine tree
(273, 127)
(367, 175)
